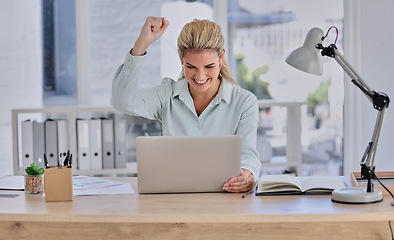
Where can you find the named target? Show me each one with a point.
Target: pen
(59, 161)
(246, 194)
(70, 161)
(45, 161)
(67, 159)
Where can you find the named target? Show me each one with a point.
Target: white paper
(12, 183)
(85, 185)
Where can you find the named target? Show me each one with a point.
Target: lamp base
(356, 195)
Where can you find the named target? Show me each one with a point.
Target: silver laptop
(186, 164)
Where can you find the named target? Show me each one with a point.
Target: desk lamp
(307, 59)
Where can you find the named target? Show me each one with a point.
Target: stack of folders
(49, 137)
(101, 142)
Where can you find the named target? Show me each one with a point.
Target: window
(59, 52)
(261, 33)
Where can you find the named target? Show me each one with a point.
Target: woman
(204, 101)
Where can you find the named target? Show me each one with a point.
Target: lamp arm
(356, 78)
(368, 160)
(380, 101)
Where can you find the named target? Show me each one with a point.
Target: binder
(83, 144)
(108, 143)
(51, 142)
(38, 143)
(27, 143)
(96, 160)
(120, 141)
(62, 135)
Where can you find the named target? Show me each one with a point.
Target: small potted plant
(34, 181)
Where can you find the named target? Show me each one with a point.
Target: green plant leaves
(34, 169)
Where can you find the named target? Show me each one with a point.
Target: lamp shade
(307, 58)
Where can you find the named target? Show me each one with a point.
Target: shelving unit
(293, 158)
(71, 114)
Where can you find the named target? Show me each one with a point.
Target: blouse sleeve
(128, 98)
(247, 128)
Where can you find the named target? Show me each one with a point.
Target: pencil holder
(58, 184)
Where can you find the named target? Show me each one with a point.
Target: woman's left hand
(241, 183)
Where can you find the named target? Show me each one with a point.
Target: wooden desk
(191, 216)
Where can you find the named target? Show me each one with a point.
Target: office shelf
(71, 114)
(292, 159)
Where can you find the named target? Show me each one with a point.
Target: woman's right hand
(153, 28)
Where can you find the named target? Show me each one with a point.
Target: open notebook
(286, 184)
(186, 164)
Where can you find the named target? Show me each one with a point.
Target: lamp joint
(327, 51)
(380, 100)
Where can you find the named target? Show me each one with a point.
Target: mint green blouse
(233, 111)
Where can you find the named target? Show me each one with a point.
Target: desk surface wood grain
(192, 216)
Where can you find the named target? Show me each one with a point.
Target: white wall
(20, 67)
(377, 69)
(369, 34)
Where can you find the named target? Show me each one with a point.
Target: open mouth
(201, 82)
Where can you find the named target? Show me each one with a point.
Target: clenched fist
(153, 28)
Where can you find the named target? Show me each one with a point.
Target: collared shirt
(233, 111)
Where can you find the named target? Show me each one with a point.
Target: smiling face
(201, 69)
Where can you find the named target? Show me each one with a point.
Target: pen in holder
(58, 184)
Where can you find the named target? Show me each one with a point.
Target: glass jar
(34, 184)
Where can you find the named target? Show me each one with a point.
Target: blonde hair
(203, 35)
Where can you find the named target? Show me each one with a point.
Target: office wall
(20, 67)
(377, 52)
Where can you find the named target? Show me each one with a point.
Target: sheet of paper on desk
(12, 183)
(85, 185)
